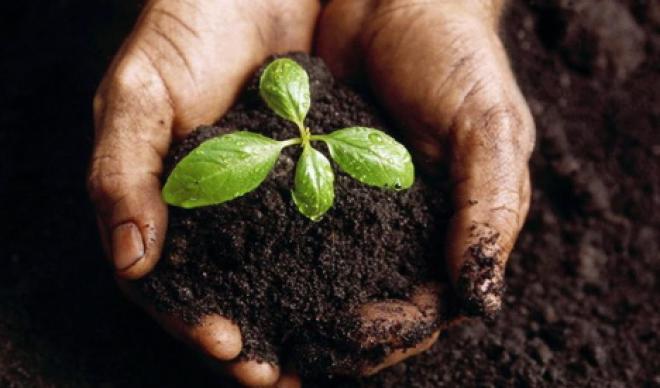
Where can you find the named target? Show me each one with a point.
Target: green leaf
(371, 156)
(284, 85)
(221, 169)
(313, 192)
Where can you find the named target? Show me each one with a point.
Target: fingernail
(127, 246)
(481, 281)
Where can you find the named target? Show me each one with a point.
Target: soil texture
(288, 282)
(581, 307)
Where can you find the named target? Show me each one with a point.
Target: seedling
(234, 164)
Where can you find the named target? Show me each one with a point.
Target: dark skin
(437, 66)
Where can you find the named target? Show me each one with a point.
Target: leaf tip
(284, 86)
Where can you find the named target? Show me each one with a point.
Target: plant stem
(305, 135)
(317, 137)
(290, 142)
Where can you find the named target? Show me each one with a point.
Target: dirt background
(582, 306)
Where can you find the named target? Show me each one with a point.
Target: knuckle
(130, 83)
(139, 80)
(507, 218)
(103, 182)
(504, 128)
(475, 125)
(135, 75)
(129, 76)
(500, 122)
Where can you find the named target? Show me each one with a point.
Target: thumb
(442, 70)
(132, 118)
(492, 195)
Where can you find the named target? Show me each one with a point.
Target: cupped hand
(182, 66)
(440, 69)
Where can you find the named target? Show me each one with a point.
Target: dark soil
(581, 307)
(290, 283)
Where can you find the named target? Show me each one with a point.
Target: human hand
(442, 72)
(182, 66)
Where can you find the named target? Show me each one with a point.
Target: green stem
(290, 142)
(304, 134)
(318, 137)
(301, 128)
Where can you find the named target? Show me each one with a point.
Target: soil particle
(290, 283)
(540, 351)
(481, 281)
(591, 260)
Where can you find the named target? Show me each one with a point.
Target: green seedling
(234, 164)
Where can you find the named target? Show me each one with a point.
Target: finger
(248, 373)
(404, 328)
(484, 229)
(442, 70)
(131, 139)
(399, 355)
(253, 373)
(214, 336)
(491, 141)
(489, 169)
(289, 380)
(338, 40)
(260, 374)
(375, 335)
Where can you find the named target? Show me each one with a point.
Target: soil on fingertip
(292, 285)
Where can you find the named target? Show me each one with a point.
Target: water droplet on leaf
(376, 137)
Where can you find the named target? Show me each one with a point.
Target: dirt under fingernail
(481, 285)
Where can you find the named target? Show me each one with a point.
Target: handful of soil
(290, 283)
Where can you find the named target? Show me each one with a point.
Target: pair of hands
(437, 66)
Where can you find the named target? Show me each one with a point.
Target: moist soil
(581, 306)
(288, 282)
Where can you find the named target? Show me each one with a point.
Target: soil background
(582, 306)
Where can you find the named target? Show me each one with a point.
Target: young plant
(234, 164)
